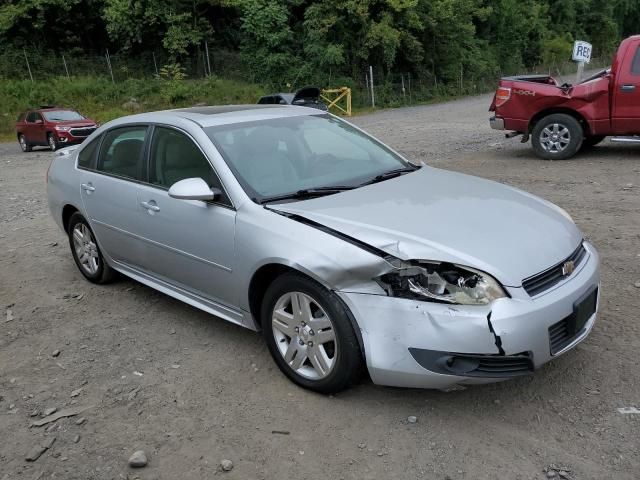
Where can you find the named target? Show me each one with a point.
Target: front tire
(309, 334)
(86, 252)
(24, 145)
(557, 137)
(51, 141)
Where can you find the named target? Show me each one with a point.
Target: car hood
(434, 214)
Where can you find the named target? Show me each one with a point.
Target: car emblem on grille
(568, 268)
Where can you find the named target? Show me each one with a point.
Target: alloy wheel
(305, 335)
(52, 143)
(555, 138)
(86, 248)
(23, 143)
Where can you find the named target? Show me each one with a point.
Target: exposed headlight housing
(443, 283)
(61, 128)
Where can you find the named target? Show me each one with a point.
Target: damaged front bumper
(421, 344)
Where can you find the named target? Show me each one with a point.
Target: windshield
(62, 115)
(286, 155)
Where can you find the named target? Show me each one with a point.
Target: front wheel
(51, 140)
(557, 137)
(309, 334)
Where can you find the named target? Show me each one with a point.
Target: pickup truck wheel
(592, 141)
(557, 137)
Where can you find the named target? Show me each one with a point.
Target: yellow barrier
(338, 94)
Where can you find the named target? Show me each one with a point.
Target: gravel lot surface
(153, 374)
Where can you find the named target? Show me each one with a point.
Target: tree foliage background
(298, 41)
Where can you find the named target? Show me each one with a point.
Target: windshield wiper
(391, 174)
(307, 193)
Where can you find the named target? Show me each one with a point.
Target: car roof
(223, 115)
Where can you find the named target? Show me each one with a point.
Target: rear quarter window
(88, 154)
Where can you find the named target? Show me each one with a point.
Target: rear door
(626, 107)
(191, 243)
(109, 183)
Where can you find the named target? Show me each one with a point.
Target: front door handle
(628, 88)
(87, 187)
(150, 206)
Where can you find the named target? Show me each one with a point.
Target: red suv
(52, 127)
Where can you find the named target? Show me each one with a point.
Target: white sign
(582, 51)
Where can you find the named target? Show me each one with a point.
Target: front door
(190, 243)
(35, 131)
(109, 192)
(626, 98)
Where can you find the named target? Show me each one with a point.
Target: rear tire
(309, 334)
(86, 253)
(557, 137)
(24, 145)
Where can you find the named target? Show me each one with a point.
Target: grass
(100, 99)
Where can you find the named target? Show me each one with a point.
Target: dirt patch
(191, 390)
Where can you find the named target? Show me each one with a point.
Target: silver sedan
(291, 221)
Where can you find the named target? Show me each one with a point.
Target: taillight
(503, 94)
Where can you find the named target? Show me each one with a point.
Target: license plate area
(566, 330)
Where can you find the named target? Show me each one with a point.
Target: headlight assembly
(441, 282)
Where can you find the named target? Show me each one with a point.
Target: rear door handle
(150, 206)
(628, 88)
(87, 187)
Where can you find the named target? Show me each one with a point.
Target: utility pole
(373, 97)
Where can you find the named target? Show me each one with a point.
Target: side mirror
(38, 121)
(193, 189)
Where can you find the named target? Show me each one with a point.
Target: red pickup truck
(562, 119)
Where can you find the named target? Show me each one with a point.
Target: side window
(175, 157)
(31, 117)
(88, 153)
(121, 152)
(635, 66)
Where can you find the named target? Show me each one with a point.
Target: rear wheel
(86, 252)
(557, 137)
(51, 140)
(24, 145)
(309, 334)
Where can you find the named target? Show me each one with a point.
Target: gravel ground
(190, 390)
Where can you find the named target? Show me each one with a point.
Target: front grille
(82, 132)
(545, 280)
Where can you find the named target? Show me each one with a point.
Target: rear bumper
(408, 343)
(496, 123)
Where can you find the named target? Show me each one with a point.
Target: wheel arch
(586, 128)
(266, 274)
(67, 211)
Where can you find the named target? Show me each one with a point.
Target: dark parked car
(52, 127)
(305, 97)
